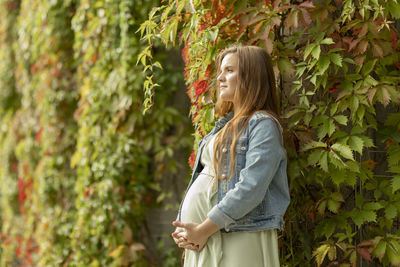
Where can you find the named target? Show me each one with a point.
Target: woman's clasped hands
(189, 236)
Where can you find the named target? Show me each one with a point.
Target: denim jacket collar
(222, 122)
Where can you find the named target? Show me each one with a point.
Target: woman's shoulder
(266, 117)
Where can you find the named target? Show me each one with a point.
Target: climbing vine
(80, 164)
(337, 63)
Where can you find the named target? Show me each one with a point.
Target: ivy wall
(337, 63)
(79, 162)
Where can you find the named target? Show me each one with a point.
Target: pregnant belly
(197, 200)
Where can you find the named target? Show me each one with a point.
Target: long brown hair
(256, 91)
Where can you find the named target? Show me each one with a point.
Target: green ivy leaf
(314, 144)
(308, 50)
(333, 205)
(327, 41)
(320, 253)
(343, 150)
(316, 51)
(341, 119)
(380, 249)
(323, 64)
(393, 254)
(337, 176)
(390, 212)
(396, 183)
(314, 156)
(356, 143)
(394, 8)
(324, 161)
(368, 67)
(336, 59)
(361, 216)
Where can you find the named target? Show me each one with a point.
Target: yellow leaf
(117, 252)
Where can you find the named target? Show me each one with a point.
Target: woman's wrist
(207, 228)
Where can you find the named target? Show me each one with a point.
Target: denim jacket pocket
(240, 153)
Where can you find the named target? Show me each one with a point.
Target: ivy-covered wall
(79, 162)
(337, 63)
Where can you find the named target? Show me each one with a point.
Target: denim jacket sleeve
(263, 158)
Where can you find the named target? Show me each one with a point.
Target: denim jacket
(257, 195)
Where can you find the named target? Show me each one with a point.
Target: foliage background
(337, 63)
(81, 164)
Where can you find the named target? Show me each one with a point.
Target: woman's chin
(226, 98)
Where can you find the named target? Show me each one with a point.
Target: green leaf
(367, 141)
(373, 206)
(324, 161)
(330, 127)
(361, 216)
(337, 176)
(320, 254)
(333, 206)
(394, 8)
(396, 183)
(393, 255)
(285, 67)
(316, 52)
(314, 157)
(321, 207)
(308, 50)
(323, 64)
(158, 65)
(337, 196)
(336, 59)
(368, 67)
(314, 144)
(356, 143)
(327, 41)
(390, 212)
(380, 249)
(341, 119)
(343, 150)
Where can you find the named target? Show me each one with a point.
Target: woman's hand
(179, 237)
(197, 234)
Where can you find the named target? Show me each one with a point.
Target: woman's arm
(263, 158)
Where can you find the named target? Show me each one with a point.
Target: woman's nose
(220, 77)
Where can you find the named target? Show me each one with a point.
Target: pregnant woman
(238, 193)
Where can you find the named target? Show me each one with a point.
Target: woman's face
(227, 79)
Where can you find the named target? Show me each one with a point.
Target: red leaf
(377, 50)
(369, 164)
(389, 142)
(200, 87)
(394, 38)
(334, 87)
(359, 60)
(352, 43)
(307, 4)
(364, 252)
(363, 30)
(371, 93)
(38, 135)
(26, 169)
(306, 16)
(192, 159)
(362, 47)
(292, 19)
